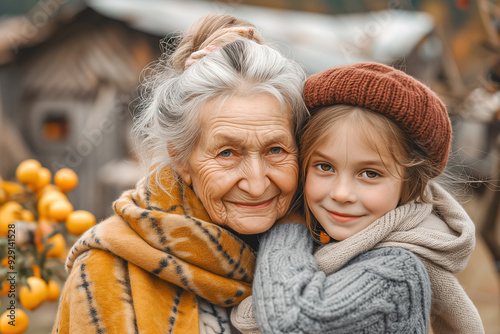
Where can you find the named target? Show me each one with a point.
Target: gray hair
(168, 124)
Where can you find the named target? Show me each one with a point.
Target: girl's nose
(343, 190)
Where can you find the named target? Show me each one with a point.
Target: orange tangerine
(21, 322)
(59, 246)
(27, 215)
(31, 297)
(60, 209)
(45, 201)
(44, 177)
(9, 212)
(79, 221)
(65, 179)
(37, 271)
(14, 190)
(50, 187)
(54, 291)
(3, 195)
(27, 171)
(5, 288)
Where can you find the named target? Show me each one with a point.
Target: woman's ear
(182, 169)
(185, 173)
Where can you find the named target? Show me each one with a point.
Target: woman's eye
(324, 167)
(226, 153)
(275, 150)
(370, 174)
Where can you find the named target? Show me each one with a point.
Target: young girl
(392, 237)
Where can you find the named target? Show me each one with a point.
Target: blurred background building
(70, 71)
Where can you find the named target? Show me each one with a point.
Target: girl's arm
(381, 291)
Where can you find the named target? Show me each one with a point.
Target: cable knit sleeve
(385, 290)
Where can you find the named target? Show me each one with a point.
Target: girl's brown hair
(375, 128)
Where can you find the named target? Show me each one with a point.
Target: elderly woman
(217, 131)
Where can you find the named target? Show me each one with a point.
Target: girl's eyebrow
(320, 155)
(367, 162)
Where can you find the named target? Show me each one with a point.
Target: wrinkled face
(348, 186)
(244, 164)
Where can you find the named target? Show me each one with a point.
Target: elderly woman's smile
(253, 205)
(244, 164)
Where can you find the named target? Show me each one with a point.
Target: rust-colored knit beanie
(390, 92)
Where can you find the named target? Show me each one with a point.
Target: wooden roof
(81, 54)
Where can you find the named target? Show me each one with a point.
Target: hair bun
(206, 30)
(223, 37)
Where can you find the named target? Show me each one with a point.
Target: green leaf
(48, 236)
(43, 255)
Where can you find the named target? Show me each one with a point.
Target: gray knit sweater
(441, 235)
(385, 290)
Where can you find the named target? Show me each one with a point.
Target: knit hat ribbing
(390, 92)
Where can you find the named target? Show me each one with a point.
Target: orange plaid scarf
(153, 266)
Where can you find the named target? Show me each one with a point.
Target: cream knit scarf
(158, 266)
(443, 237)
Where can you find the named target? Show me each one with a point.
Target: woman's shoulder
(94, 260)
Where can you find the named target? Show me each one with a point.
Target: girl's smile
(342, 217)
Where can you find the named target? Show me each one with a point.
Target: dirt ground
(481, 279)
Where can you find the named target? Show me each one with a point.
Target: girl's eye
(370, 174)
(324, 167)
(226, 153)
(275, 150)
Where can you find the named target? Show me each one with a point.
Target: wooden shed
(67, 90)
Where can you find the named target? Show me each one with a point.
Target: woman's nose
(343, 190)
(254, 179)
